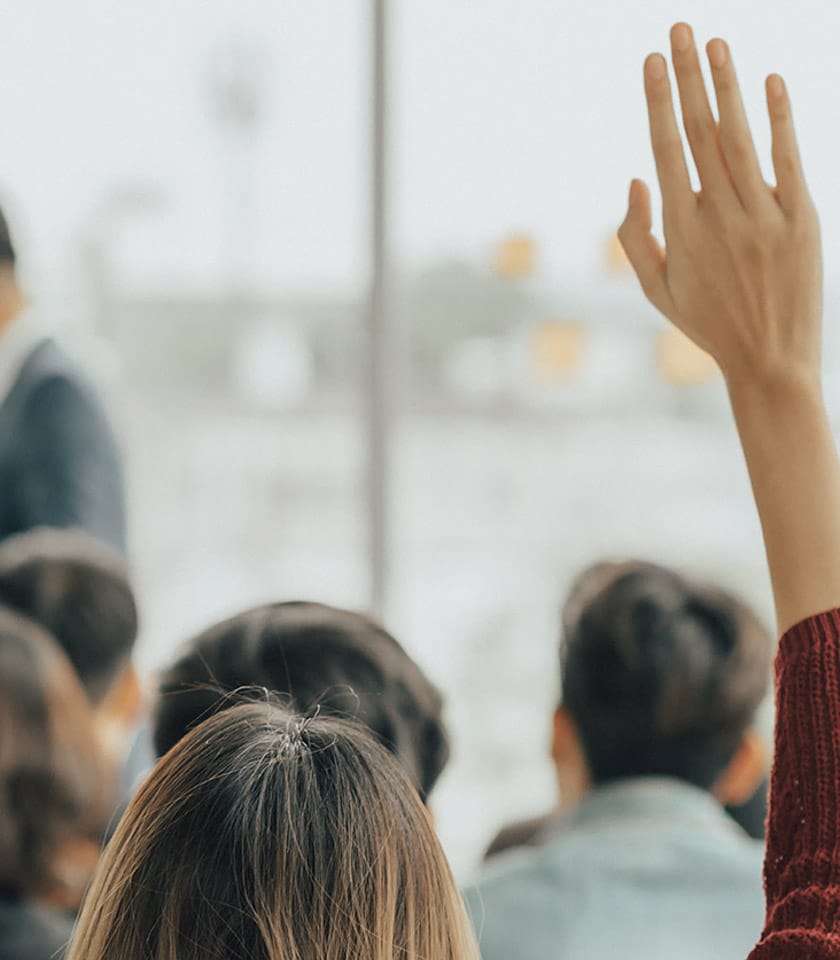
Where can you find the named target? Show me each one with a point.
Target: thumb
(644, 252)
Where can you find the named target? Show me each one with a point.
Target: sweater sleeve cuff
(812, 632)
(808, 705)
(802, 867)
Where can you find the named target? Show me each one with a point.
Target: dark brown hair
(661, 676)
(345, 663)
(8, 256)
(263, 835)
(52, 776)
(78, 589)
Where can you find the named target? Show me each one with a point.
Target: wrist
(776, 390)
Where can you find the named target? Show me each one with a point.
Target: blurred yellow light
(516, 257)
(683, 363)
(557, 350)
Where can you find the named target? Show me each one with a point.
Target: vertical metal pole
(379, 354)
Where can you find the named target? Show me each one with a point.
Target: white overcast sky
(506, 114)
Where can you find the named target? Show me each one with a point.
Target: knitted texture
(802, 866)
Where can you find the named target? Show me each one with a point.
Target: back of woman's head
(268, 836)
(660, 675)
(52, 777)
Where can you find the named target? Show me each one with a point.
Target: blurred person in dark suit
(59, 462)
(661, 679)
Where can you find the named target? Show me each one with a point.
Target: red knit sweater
(802, 867)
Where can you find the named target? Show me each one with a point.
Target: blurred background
(371, 341)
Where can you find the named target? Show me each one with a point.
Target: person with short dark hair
(660, 676)
(59, 461)
(79, 590)
(317, 657)
(54, 792)
(661, 681)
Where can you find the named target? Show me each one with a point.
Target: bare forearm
(795, 475)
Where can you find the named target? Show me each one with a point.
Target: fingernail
(656, 67)
(717, 54)
(775, 86)
(681, 37)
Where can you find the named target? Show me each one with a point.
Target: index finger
(671, 169)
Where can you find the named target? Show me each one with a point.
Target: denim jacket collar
(655, 799)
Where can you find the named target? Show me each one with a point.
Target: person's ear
(569, 760)
(747, 769)
(564, 736)
(124, 702)
(119, 713)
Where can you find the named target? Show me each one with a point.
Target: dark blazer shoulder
(60, 463)
(49, 362)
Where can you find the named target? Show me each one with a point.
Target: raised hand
(741, 275)
(740, 272)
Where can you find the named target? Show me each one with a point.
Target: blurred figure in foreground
(661, 681)
(317, 658)
(78, 589)
(53, 793)
(59, 464)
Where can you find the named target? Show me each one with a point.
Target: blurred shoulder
(53, 386)
(517, 874)
(49, 363)
(32, 933)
